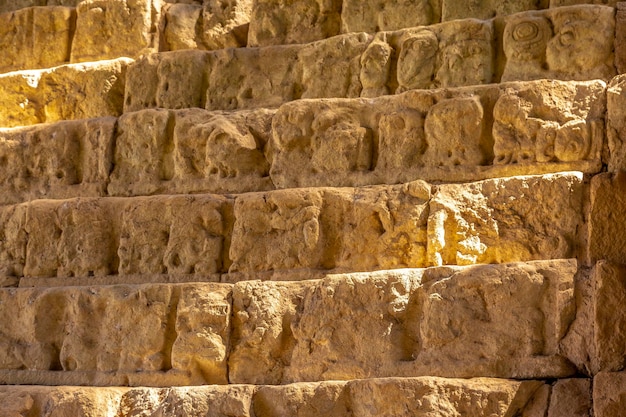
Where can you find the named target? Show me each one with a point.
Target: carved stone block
(35, 38)
(378, 15)
(107, 29)
(331, 228)
(117, 329)
(56, 161)
(408, 323)
(506, 220)
(281, 22)
(606, 217)
(566, 43)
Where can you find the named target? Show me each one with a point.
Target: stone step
(74, 91)
(276, 22)
(461, 134)
(448, 321)
(353, 229)
(451, 54)
(478, 397)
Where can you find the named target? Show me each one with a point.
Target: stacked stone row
(410, 220)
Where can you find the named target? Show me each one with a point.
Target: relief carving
(417, 61)
(375, 65)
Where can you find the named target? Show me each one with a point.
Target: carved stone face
(576, 46)
(375, 63)
(526, 38)
(466, 62)
(416, 63)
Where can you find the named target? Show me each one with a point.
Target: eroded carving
(417, 61)
(375, 65)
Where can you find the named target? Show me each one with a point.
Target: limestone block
(606, 218)
(616, 124)
(506, 220)
(609, 398)
(175, 235)
(378, 15)
(356, 229)
(117, 329)
(74, 91)
(571, 397)
(13, 240)
(620, 37)
(560, 3)
(281, 22)
(12, 5)
(332, 68)
(452, 9)
(70, 238)
(216, 25)
(36, 37)
(160, 151)
(266, 77)
(56, 161)
(597, 342)
(566, 43)
(430, 396)
(302, 400)
(107, 29)
(451, 54)
(452, 322)
(440, 135)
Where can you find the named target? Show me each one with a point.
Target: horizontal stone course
(513, 129)
(411, 397)
(345, 229)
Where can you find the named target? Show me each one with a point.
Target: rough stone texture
(107, 29)
(98, 237)
(454, 322)
(13, 5)
(74, 91)
(280, 22)
(607, 217)
(379, 15)
(215, 25)
(56, 161)
(597, 342)
(439, 135)
(616, 124)
(609, 395)
(506, 220)
(353, 229)
(160, 151)
(568, 43)
(36, 37)
(128, 329)
(480, 397)
(454, 9)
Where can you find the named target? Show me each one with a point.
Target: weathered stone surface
(440, 135)
(280, 22)
(480, 397)
(155, 328)
(57, 160)
(451, 54)
(454, 322)
(74, 91)
(215, 25)
(454, 9)
(36, 37)
(107, 29)
(161, 151)
(571, 398)
(13, 5)
(616, 124)
(609, 394)
(99, 237)
(607, 217)
(597, 341)
(379, 15)
(353, 229)
(567, 43)
(506, 220)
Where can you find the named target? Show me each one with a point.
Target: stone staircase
(303, 208)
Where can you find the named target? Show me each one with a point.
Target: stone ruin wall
(312, 208)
